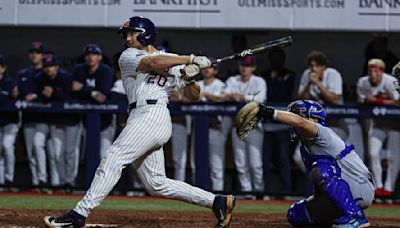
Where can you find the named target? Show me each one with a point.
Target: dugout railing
(200, 112)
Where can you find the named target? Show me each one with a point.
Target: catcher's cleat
(71, 220)
(222, 208)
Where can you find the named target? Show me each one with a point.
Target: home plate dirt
(124, 218)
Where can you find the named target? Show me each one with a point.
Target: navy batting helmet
(148, 32)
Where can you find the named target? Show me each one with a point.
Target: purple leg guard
(325, 176)
(298, 215)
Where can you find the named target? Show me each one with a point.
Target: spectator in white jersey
(211, 89)
(248, 153)
(377, 88)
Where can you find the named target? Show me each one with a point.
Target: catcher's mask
(306, 109)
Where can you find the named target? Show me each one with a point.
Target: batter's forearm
(161, 62)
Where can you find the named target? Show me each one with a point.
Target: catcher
(343, 185)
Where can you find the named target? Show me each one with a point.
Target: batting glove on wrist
(191, 70)
(201, 61)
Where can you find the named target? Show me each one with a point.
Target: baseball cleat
(222, 208)
(71, 220)
(363, 223)
(351, 224)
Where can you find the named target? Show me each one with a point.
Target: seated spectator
(248, 153)
(280, 82)
(377, 88)
(35, 129)
(92, 81)
(211, 89)
(8, 127)
(54, 84)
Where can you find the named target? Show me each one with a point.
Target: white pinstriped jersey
(215, 88)
(142, 86)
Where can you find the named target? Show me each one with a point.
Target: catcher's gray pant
(321, 208)
(376, 139)
(8, 134)
(217, 141)
(248, 160)
(148, 128)
(64, 156)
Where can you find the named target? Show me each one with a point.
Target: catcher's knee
(298, 215)
(322, 171)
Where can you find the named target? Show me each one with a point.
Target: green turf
(153, 205)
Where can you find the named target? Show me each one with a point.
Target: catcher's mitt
(247, 118)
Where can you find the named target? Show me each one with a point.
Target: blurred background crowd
(44, 152)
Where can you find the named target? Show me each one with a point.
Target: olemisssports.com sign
(367, 15)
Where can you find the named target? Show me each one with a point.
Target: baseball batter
(343, 185)
(148, 127)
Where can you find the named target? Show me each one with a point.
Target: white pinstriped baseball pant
(148, 129)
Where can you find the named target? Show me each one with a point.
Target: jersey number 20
(157, 79)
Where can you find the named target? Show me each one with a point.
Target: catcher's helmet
(148, 32)
(308, 108)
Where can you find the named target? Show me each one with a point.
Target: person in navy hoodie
(54, 85)
(35, 130)
(8, 127)
(92, 81)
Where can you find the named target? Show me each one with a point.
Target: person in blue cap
(33, 126)
(8, 127)
(54, 85)
(92, 81)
